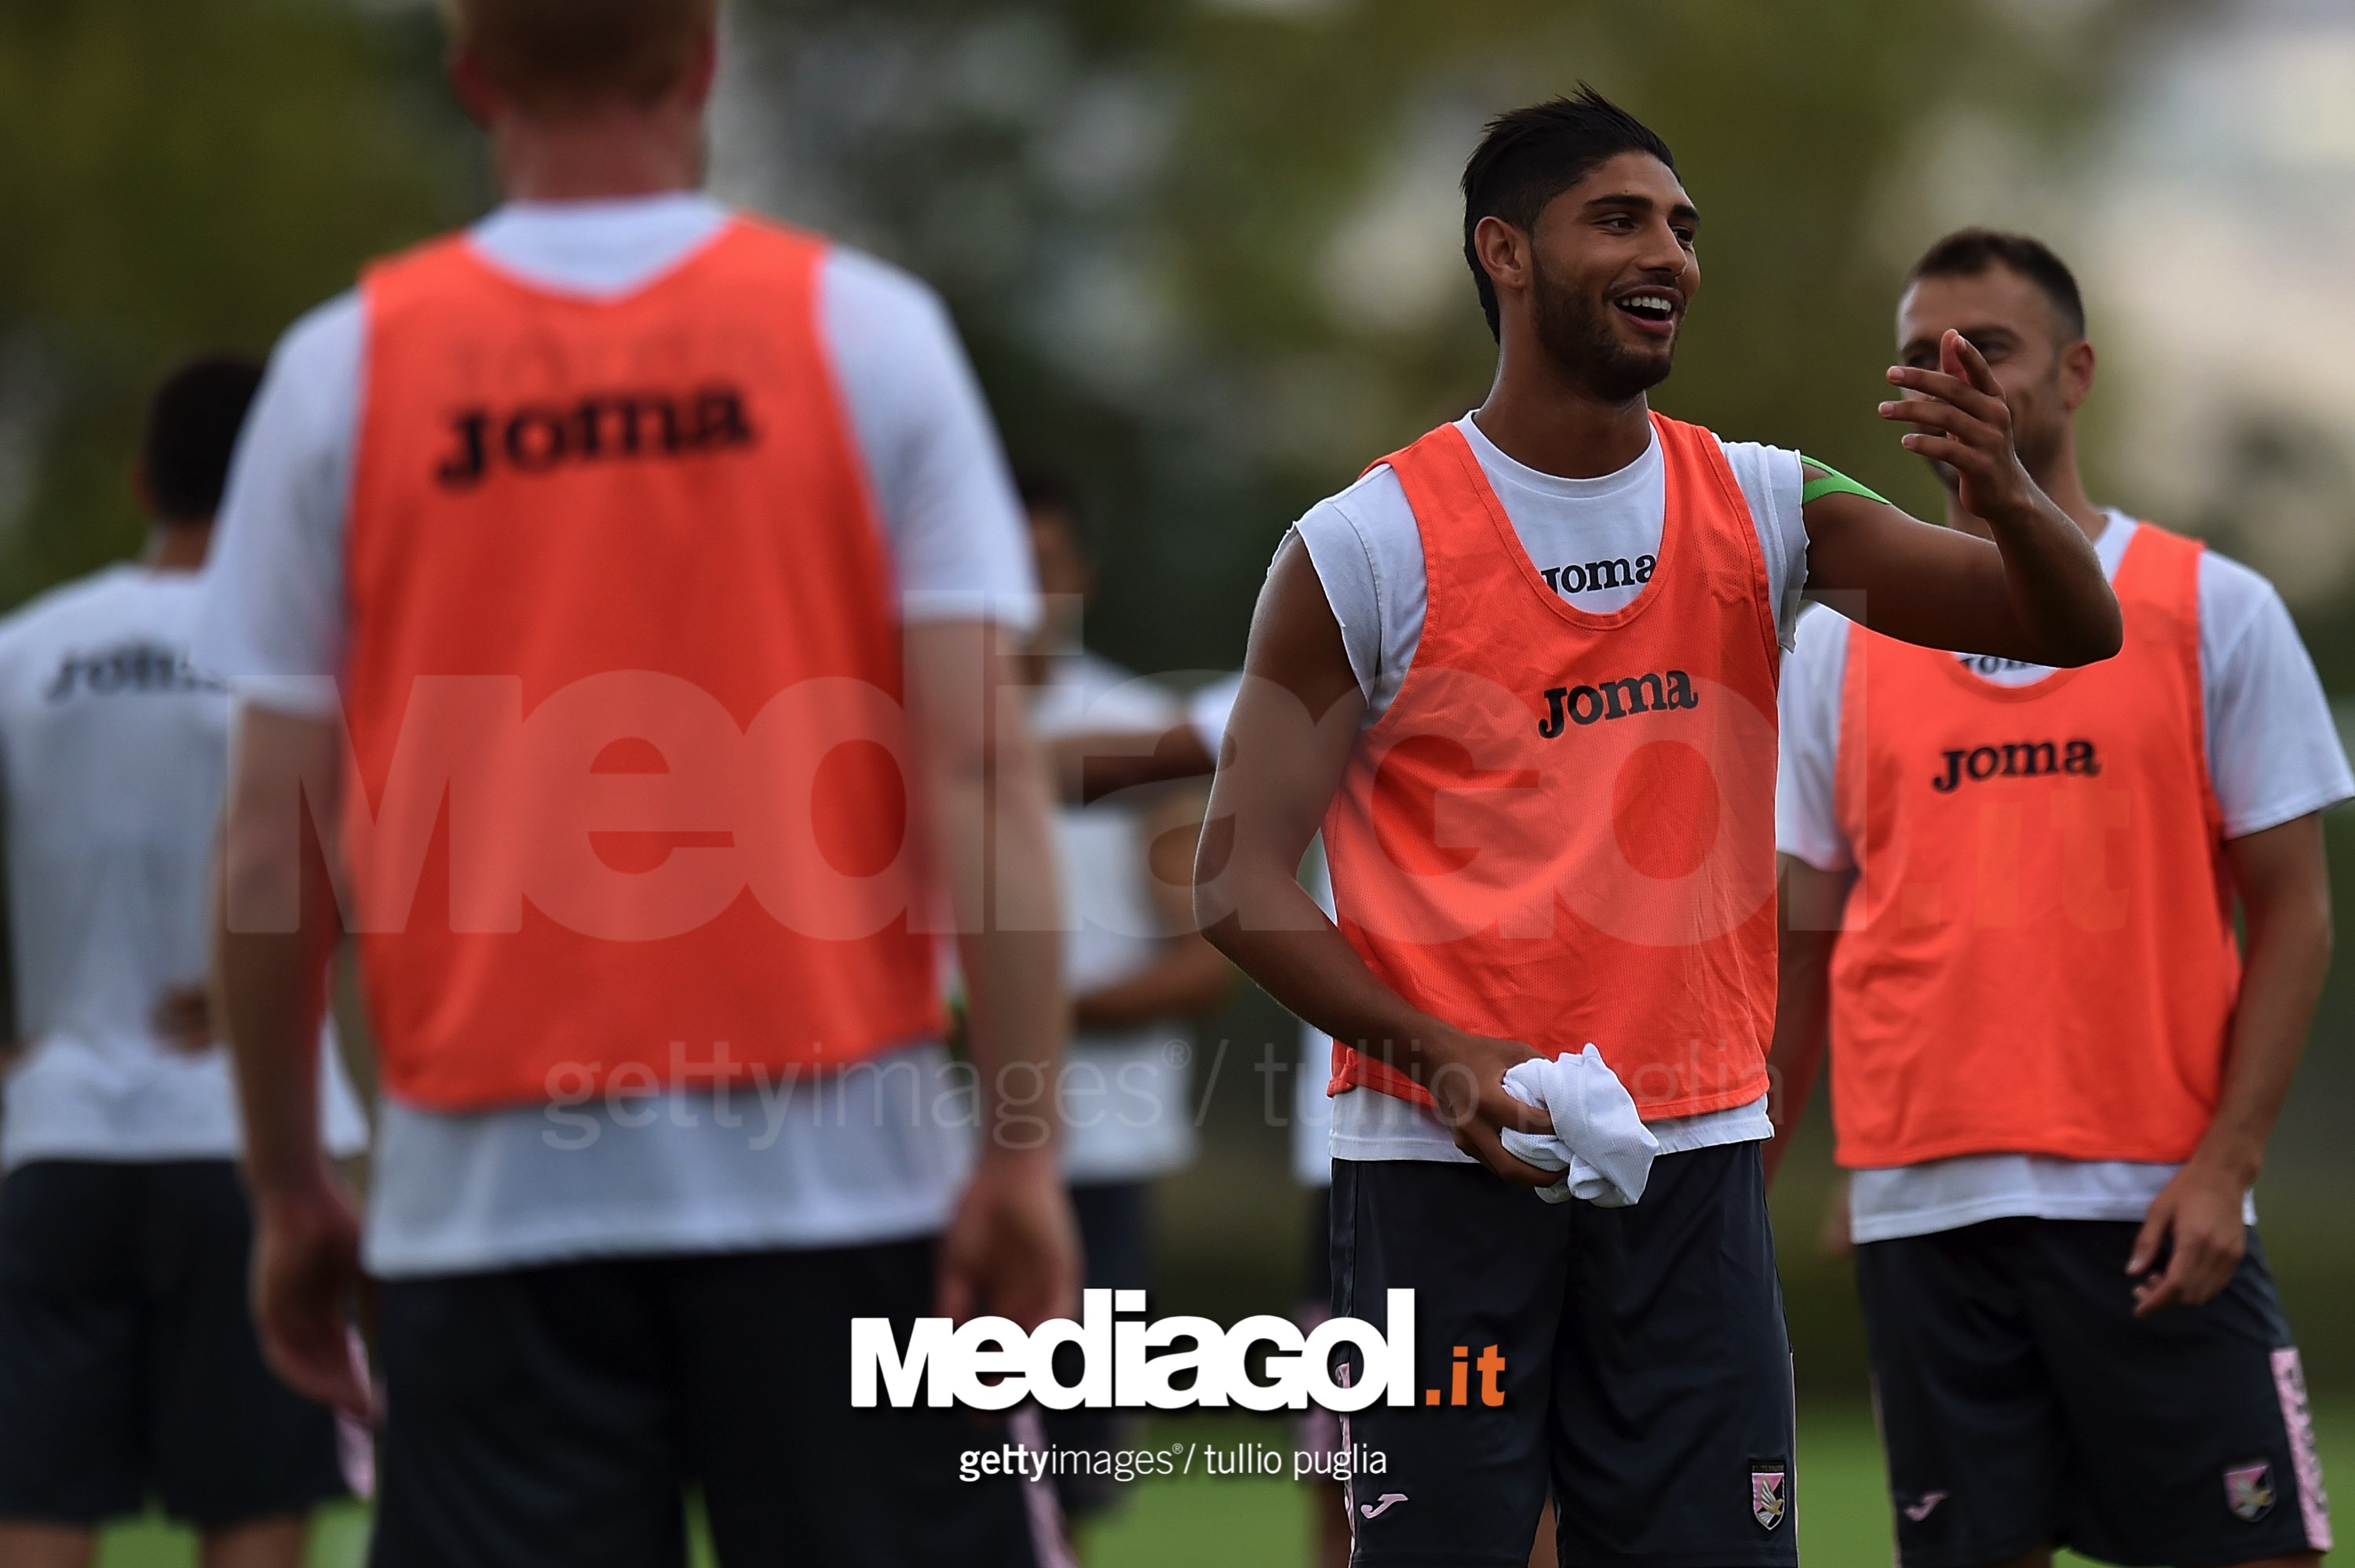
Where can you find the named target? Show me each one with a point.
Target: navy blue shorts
(129, 1367)
(560, 1414)
(2024, 1405)
(1645, 1376)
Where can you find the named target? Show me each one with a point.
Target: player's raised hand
(1966, 425)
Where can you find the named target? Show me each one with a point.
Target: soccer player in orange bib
(628, 578)
(2010, 891)
(1523, 675)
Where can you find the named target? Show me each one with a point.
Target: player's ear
(702, 67)
(472, 85)
(2076, 373)
(142, 488)
(1504, 252)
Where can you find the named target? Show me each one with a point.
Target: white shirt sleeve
(2273, 752)
(1806, 823)
(273, 618)
(938, 474)
(1771, 481)
(1368, 552)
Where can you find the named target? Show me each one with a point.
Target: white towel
(1598, 1141)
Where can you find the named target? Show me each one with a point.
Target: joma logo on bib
(602, 427)
(1622, 698)
(2015, 759)
(1592, 576)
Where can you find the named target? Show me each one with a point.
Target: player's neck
(1543, 418)
(608, 155)
(176, 547)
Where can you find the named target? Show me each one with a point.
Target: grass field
(1843, 1509)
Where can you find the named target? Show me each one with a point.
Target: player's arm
(2036, 594)
(1012, 1245)
(2285, 885)
(274, 929)
(1808, 914)
(1087, 767)
(1190, 976)
(1289, 737)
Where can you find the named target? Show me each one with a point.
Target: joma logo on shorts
(1616, 699)
(2016, 759)
(602, 427)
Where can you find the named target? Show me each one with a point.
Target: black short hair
(1532, 155)
(1967, 252)
(192, 426)
(1043, 490)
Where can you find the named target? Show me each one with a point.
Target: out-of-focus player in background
(1522, 676)
(1135, 966)
(2010, 894)
(677, 551)
(1104, 757)
(128, 1369)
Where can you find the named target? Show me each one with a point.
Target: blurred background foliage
(1207, 255)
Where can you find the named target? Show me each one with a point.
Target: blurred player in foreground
(129, 1370)
(2009, 892)
(676, 553)
(1522, 674)
(1136, 968)
(1103, 756)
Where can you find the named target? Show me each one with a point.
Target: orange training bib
(2039, 954)
(1561, 829)
(624, 687)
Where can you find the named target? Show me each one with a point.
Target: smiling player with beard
(1523, 676)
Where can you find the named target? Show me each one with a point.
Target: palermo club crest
(1770, 1491)
(2249, 1490)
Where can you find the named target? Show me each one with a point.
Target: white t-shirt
(865, 1156)
(1127, 1114)
(1596, 541)
(114, 751)
(2273, 756)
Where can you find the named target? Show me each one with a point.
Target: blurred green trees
(175, 178)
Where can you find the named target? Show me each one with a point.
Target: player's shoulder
(1372, 506)
(857, 281)
(325, 340)
(83, 598)
(2232, 594)
(2226, 580)
(97, 604)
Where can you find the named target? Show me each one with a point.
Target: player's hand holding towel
(1598, 1141)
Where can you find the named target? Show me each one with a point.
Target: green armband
(1833, 482)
